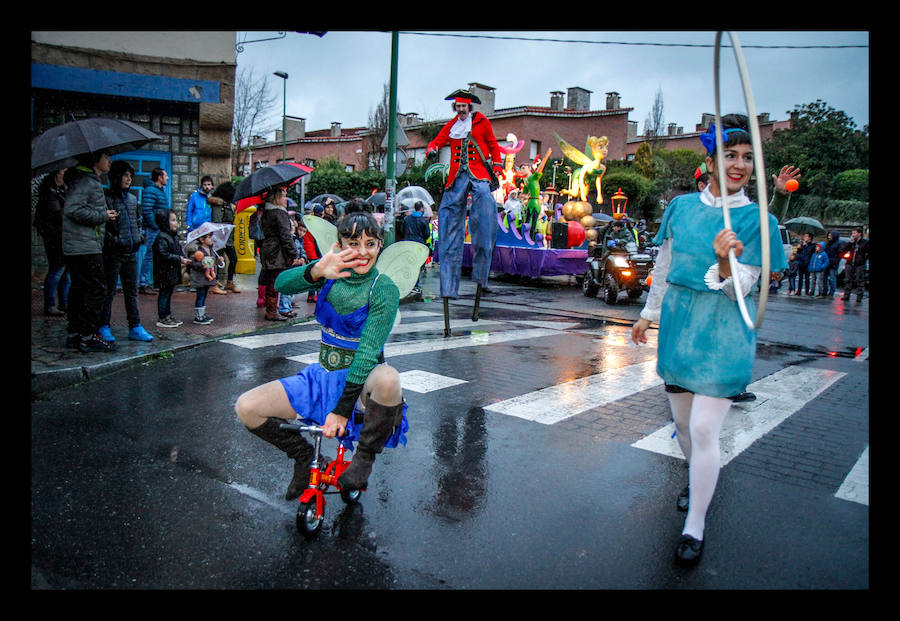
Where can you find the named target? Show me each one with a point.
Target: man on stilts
(474, 152)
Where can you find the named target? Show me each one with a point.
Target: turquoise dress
(704, 345)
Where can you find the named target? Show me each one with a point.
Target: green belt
(333, 358)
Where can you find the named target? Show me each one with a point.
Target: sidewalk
(53, 365)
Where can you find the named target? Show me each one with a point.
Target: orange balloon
(791, 185)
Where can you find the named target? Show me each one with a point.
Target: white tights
(698, 422)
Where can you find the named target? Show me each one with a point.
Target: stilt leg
(447, 332)
(477, 303)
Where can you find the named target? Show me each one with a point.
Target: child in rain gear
(199, 280)
(818, 264)
(168, 259)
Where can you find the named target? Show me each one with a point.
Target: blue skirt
(704, 345)
(314, 392)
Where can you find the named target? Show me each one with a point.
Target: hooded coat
(167, 253)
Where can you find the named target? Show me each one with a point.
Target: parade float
(556, 243)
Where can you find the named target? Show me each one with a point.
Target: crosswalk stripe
(425, 382)
(392, 350)
(555, 403)
(313, 334)
(855, 487)
(778, 396)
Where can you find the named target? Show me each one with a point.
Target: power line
(701, 45)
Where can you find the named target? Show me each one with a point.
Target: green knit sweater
(347, 295)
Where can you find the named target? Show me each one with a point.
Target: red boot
(261, 296)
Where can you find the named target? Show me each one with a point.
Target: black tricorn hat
(463, 96)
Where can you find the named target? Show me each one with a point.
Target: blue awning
(139, 85)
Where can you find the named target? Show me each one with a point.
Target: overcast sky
(339, 77)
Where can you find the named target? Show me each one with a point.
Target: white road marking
(392, 350)
(555, 403)
(425, 382)
(261, 497)
(855, 487)
(778, 396)
(258, 341)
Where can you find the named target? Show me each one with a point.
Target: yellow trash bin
(243, 245)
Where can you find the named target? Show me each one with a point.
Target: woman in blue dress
(350, 391)
(705, 350)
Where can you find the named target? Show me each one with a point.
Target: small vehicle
(625, 269)
(322, 476)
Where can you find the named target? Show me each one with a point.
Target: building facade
(574, 122)
(179, 85)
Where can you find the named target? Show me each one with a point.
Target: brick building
(569, 114)
(179, 85)
(573, 120)
(676, 138)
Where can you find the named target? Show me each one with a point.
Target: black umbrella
(60, 146)
(803, 225)
(378, 199)
(261, 181)
(321, 199)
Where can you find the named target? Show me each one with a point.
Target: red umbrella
(251, 190)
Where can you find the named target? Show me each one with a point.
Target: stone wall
(177, 123)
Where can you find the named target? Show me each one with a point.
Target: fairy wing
(571, 152)
(323, 231)
(401, 261)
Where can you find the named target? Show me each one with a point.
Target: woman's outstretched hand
(787, 173)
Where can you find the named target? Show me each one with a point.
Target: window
(143, 163)
(535, 149)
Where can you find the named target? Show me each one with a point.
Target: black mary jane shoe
(684, 499)
(688, 551)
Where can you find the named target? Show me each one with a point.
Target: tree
(674, 171)
(822, 142)
(254, 103)
(643, 160)
(655, 121)
(378, 126)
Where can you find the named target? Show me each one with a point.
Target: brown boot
(230, 286)
(272, 313)
(217, 288)
(378, 425)
(295, 446)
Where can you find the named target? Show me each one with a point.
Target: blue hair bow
(709, 138)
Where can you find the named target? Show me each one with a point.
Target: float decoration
(598, 148)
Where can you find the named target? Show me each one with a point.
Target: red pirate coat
(483, 134)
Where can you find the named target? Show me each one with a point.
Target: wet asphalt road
(145, 479)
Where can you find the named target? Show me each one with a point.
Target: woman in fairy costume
(350, 392)
(705, 350)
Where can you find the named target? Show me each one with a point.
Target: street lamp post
(283, 76)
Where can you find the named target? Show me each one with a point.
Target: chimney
(556, 100)
(486, 95)
(612, 101)
(632, 129)
(295, 127)
(672, 128)
(408, 119)
(335, 129)
(762, 117)
(578, 98)
(705, 119)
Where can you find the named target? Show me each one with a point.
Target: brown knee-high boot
(272, 313)
(295, 446)
(378, 425)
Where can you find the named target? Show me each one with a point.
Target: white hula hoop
(759, 168)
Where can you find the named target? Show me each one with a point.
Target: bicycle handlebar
(314, 429)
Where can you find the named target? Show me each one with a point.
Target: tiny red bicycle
(322, 476)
